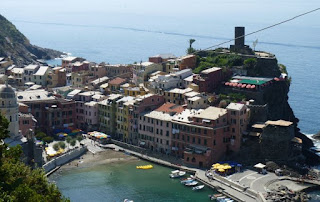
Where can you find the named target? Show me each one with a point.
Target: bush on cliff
(18, 181)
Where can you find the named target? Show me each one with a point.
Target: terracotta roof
(279, 123)
(170, 107)
(117, 81)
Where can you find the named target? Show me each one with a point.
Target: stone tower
(9, 108)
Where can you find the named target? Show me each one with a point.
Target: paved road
(253, 180)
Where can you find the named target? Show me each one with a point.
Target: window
(233, 130)
(193, 139)
(214, 142)
(205, 131)
(199, 141)
(167, 133)
(188, 138)
(205, 141)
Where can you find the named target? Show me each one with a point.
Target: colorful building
(107, 114)
(122, 118)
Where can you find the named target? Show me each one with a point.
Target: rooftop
(125, 99)
(117, 81)
(189, 78)
(31, 67)
(180, 91)
(212, 69)
(69, 58)
(91, 103)
(211, 113)
(191, 94)
(89, 93)
(17, 70)
(34, 95)
(235, 106)
(99, 80)
(185, 116)
(41, 71)
(170, 107)
(279, 123)
(73, 93)
(159, 115)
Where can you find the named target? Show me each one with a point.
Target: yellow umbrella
(221, 170)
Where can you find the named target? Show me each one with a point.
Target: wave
(161, 32)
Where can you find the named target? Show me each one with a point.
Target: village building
(208, 80)
(142, 71)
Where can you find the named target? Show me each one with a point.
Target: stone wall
(63, 159)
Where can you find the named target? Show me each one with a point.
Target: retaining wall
(64, 158)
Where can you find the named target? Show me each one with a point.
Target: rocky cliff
(15, 45)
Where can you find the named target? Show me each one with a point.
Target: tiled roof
(117, 81)
(170, 107)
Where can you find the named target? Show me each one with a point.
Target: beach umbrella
(226, 83)
(221, 170)
(243, 85)
(239, 85)
(61, 135)
(248, 86)
(253, 86)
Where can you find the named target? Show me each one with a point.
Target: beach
(105, 157)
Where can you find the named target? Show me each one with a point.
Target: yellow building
(176, 95)
(122, 118)
(135, 90)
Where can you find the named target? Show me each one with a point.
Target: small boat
(145, 167)
(197, 187)
(177, 173)
(193, 183)
(184, 181)
(127, 200)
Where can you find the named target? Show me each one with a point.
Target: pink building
(238, 116)
(155, 127)
(91, 116)
(26, 120)
(142, 104)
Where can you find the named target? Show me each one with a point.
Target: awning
(259, 165)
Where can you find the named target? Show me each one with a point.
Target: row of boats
(145, 167)
(189, 182)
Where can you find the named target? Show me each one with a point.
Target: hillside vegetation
(15, 45)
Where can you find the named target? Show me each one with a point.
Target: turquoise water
(118, 181)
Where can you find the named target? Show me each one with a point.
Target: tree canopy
(18, 181)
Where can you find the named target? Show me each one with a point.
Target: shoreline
(89, 159)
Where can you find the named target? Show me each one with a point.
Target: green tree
(56, 146)
(40, 135)
(62, 145)
(73, 142)
(250, 63)
(79, 138)
(68, 139)
(190, 49)
(18, 181)
(47, 139)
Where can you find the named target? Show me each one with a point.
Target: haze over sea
(123, 31)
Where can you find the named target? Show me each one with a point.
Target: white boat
(185, 180)
(127, 200)
(177, 173)
(193, 183)
(197, 187)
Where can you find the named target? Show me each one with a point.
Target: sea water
(121, 180)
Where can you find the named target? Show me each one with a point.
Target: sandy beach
(104, 157)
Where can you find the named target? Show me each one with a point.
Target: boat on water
(176, 174)
(219, 198)
(199, 187)
(184, 181)
(193, 183)
(145, 167)
(127, 200)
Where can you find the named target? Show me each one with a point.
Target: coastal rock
(15, 45)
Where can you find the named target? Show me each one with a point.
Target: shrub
(47, 139)
(62, 145)
(56, 146)
(73, 142)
